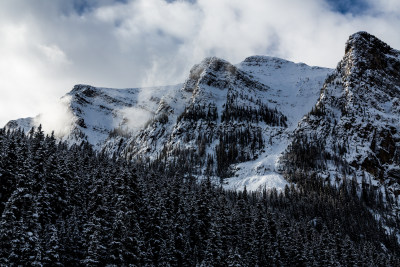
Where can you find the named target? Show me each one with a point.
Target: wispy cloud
(56, 116)
(49, 45)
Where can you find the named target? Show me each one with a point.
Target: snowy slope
(102, 112)
(260, 100)
(99, 112)
(216, 83)
(294, 89)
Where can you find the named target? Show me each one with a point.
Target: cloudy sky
(47, 46)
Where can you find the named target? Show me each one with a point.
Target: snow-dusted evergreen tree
(70, 206)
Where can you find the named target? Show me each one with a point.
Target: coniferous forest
(67, 205)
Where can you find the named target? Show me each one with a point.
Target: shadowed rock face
(373, 62)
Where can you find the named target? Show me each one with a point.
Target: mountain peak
(364, 41)
(210, 64)
(368, 51)
(371, 61)
(212, 71)
(87, 90)
(260, 58)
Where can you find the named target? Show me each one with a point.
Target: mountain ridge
(220, 101)
(263, 84)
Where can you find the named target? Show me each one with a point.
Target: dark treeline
(247, 113)
(196, 112)
(71, 206)
(238, 145)
(312, 153)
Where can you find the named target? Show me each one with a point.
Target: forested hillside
(71, 206)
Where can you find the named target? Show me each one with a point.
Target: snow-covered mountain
(232, 121)
(353, 130)
(333, 136)
(257, 121)
(236, 120)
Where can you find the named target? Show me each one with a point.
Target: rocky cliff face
(353, 130)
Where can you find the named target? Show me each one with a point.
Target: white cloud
(54, 54)
(47, 46)
(57, 117)
(134, 119)
(385, 6)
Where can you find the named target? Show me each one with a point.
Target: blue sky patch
(355, 7)
(83, 6)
